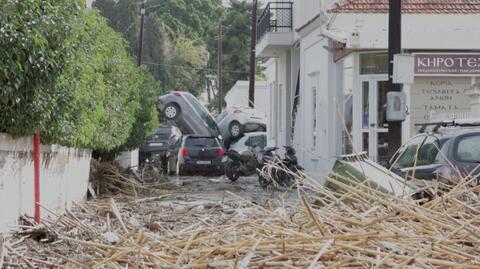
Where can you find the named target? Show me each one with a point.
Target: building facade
(327, 72)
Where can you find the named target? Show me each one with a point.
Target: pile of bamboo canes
(320, 230)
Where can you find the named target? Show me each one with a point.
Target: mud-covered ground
(205, 189)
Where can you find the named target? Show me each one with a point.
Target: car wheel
(232, 172)
(264, 183)
(235, 129)
(171, 111)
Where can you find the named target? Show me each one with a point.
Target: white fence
(64, 176)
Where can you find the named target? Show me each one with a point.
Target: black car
(156, 146)
(195, 153)
(451, 151)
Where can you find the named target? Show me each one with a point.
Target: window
(201, 142)
(259, 140)
(468, 149)
(405, 156)
(427, 152)
(373, 63)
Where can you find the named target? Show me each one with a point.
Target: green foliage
(33, 52)
(67, 74)
(236, 44)
(175, 36)
(102, 87)
(187, 59)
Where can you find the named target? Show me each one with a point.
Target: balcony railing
(277, 17)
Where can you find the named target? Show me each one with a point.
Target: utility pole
(253, 43)
(219, 75)
(140, 41)
(394, 47)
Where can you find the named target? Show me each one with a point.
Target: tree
(104, 93)
(67, 74)
(236, 44)
(34, 53)
(174, 31)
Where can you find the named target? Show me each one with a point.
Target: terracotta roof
(409, 6)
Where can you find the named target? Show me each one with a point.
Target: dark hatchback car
(156, 146)
(449, 153)
(195, 153)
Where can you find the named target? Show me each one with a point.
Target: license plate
(204, 162)
(156, 144)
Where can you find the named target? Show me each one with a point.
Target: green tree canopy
(67, 74)
(34, 51)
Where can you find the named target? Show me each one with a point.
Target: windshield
(201, 142)
(468, 149)
(204, 114)
(423, 149)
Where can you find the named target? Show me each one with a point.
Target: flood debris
(361, 227)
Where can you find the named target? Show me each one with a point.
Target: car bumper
(197, 165)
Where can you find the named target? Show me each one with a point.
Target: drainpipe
(36, 175)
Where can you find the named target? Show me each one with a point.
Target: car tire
(171, 111)
(231, 172)
(235, 129)
(264, 183)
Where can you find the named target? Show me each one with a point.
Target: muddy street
(218, 188)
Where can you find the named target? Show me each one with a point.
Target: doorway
(374, 125)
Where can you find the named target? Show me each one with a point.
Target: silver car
(236, 121)
(182, 109)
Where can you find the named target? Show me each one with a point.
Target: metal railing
(276, 17)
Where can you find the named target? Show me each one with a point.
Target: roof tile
(409, 6)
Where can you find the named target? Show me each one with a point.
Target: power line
(191, 67)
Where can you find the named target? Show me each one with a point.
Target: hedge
(94, 95)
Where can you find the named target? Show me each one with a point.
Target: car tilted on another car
(182, 109)
(450, 152)
(234, 122)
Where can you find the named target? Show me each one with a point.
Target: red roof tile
(409, 6)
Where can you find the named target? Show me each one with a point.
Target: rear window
(201, 142)
(468, 149)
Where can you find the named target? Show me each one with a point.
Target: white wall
(128, 159)
(319, 142)
(63, 175)
(238, 95)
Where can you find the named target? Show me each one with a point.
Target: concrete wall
(129, 159)
(238, 95)
(64, 176)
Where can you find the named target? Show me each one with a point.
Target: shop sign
(432, 96)
(447, 64)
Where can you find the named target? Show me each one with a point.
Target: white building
(238, 96)
(328, 61)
